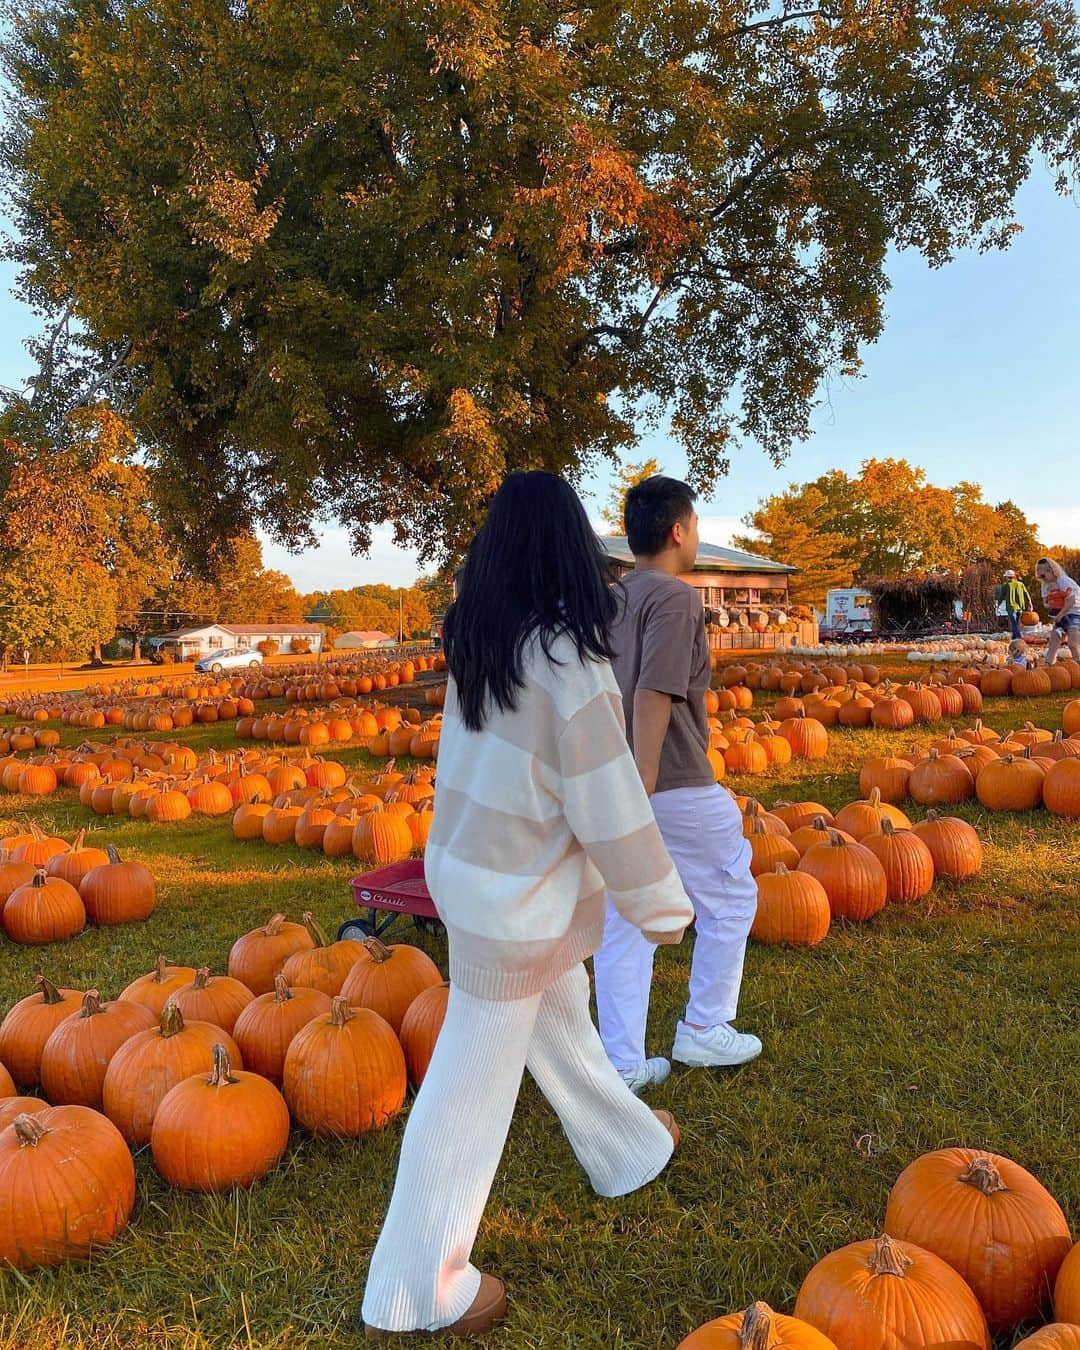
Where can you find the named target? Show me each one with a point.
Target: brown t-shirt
(659, 643)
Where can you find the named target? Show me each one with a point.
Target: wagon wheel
(357, 929)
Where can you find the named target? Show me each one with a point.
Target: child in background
(1017, 655)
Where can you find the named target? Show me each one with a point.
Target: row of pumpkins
(888, 707)
(1016, 770)
(326, 1035)
(111, 778)
(50, 888)
(813, 867)
(380, 730)
(973, 1246)
(793, 677)
(292, 681)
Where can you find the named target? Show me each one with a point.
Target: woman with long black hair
(539, 808)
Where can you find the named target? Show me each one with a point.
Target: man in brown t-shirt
(661, 661)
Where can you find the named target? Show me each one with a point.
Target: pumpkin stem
(48, 991)
(875, 797)
(313, 926)
(379, 951)
(780, 870)
(888, 1258)
(40, 878)
(172, 1021)
(756, 1332)
(91, 1004)
(887, 827)
(282, 992)
(984, 1176)
(273, 925)
(836, 839)
(114, 856)
(202, 977)
(77, 843)
(222, 1074)
(340, 1012)
(29, 1130)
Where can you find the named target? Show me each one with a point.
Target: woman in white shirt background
(1061, 595)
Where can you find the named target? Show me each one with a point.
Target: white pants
(702, 829)
(420, 1277)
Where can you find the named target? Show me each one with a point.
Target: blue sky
(976, 377)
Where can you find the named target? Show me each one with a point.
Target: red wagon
(387, 892)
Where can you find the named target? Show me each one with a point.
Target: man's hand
(652, 713)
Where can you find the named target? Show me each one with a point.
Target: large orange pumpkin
(220, 1131)
(889, 774)
(29, 1024)
(67, 1186)
(46, 909)
(218, 999)
(885, 1293)
(758, 1328)
(1011, 784)
(792, 908)
(327, 963)
(864, 817)
(386, 979)
(266, 1027)
(256, 957)
(1067, 1288)
(991, 1220)
(906, 860)
(345, 1073)
(954, 845)
(808, 738)
(853, 878)
(77, 1054)
(151, 1063)
(1061, 788)
(75, 861)
(118, 892)
(420, 1029)
(1058, 1336)
(941, 780)
(153, 990)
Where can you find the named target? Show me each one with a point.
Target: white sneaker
(650, 1074)
(719, 1046)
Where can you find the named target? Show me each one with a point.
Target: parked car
(229, 658)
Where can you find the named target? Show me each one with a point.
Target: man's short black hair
(652, 507)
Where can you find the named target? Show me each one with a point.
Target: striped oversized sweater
(535, 816)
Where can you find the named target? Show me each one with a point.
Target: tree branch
(789, 16)
(103, 380)
(264, 158)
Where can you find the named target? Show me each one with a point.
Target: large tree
(363, 259)
(81, 545)
(883, 522)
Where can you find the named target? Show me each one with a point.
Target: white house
(190, 644)
(363, 638)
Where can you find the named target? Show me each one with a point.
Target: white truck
(848, 610)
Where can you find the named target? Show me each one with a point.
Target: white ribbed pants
(420, 1276)
(703, 833)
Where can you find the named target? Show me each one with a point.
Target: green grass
(956, 1021)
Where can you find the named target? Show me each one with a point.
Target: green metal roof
(710, 558)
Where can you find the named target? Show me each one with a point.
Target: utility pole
(400, 617)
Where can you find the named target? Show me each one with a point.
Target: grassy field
(956, 1021)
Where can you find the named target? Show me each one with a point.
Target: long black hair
(535, 566)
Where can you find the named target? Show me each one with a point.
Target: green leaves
(359, 261)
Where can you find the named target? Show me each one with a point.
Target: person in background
(538, 808)
(1061, 595)
(661, 661)
(1014, 595)
(1016, 657)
